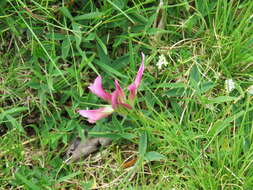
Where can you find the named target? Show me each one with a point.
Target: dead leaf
(129, 163)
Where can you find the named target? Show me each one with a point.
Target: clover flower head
(229, 85)
(161, 62)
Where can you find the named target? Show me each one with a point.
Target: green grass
(187, 131)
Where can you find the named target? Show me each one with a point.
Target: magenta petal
(140, 72)
(94, 115)
(97, 88)
(126, 106)
(121, 95)
(133, 87)
(115, 95)
(118, 97)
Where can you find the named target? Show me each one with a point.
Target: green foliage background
(190, 132)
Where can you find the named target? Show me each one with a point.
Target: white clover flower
(229, 85)
(250, 90)
(162, 61)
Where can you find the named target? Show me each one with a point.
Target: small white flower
(162, 61)
(229, 85)
(250, 90)
(211, 107)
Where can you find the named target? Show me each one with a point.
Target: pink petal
(119, 98)
(94, 115)
(126, 106)
(121, 95)
(133, 87)
(97, 88)
(140, 72)
(115, 95)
